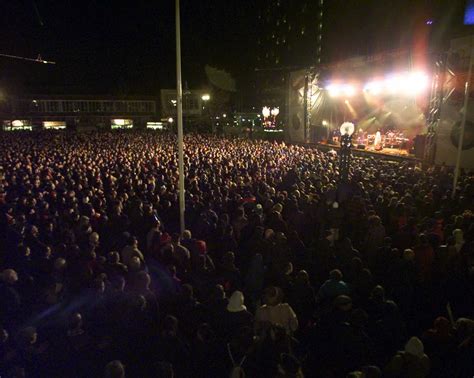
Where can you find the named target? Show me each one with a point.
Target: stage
(385, 153)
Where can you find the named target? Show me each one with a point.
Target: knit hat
(414, 346)
(236, 302)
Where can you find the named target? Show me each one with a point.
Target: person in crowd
(274, 312)
(411, 362)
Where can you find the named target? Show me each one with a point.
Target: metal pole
(467, 87)
(179, 91)
(305, 104)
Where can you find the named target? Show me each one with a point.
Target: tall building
(290, 33)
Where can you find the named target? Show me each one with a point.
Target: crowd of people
(283, 270)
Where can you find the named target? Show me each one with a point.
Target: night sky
(128, 47)
(104, 46)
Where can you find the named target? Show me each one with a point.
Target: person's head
(132, 241)
(236, 302)
(9, 276)
(113, 257)
(115, 369)
(99, 285)
(3, 335)
(204, 333)
(94, 239)
(228, 258)
(335, 275)
(135, 264)
(175, 238)
(408, 255)
(75, 321)
(343, 303)
(169, 326)
(302, 277)
(27, 336)
(414, 347)
(272, 296)
(218, 293)
(143, 280)
(359, 318)
(187, 234)
(378, 293)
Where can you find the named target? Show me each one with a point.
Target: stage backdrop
(451, 111)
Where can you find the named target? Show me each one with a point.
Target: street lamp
(345, 154)
(266, 112)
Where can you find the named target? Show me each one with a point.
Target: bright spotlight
(325, 123)
(170, 120)
(205, 97)
(346, 102)
(393, 84)
(333, 90)
(373, 88)
(348, 90)
(416, 83)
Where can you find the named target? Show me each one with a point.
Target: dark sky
(105, 46)
(117, 46)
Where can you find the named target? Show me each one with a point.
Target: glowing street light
(266, 112)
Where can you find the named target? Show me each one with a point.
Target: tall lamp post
(179, 91)
(205, 99)
(345, 153)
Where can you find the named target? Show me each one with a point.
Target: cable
(37, 60)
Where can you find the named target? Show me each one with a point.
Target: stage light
(348, 90)
(347, 128)
(325, 123)
(333, 90)
(374, 88)
(346, 102)
(393, 84)
(205, 97)
(415, 83)
(275, 112)
(170, 120)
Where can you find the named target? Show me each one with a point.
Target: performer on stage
(378, 141)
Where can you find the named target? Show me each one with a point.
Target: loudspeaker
(420, 143)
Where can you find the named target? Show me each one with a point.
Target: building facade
(79, 111)
(194, 103)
